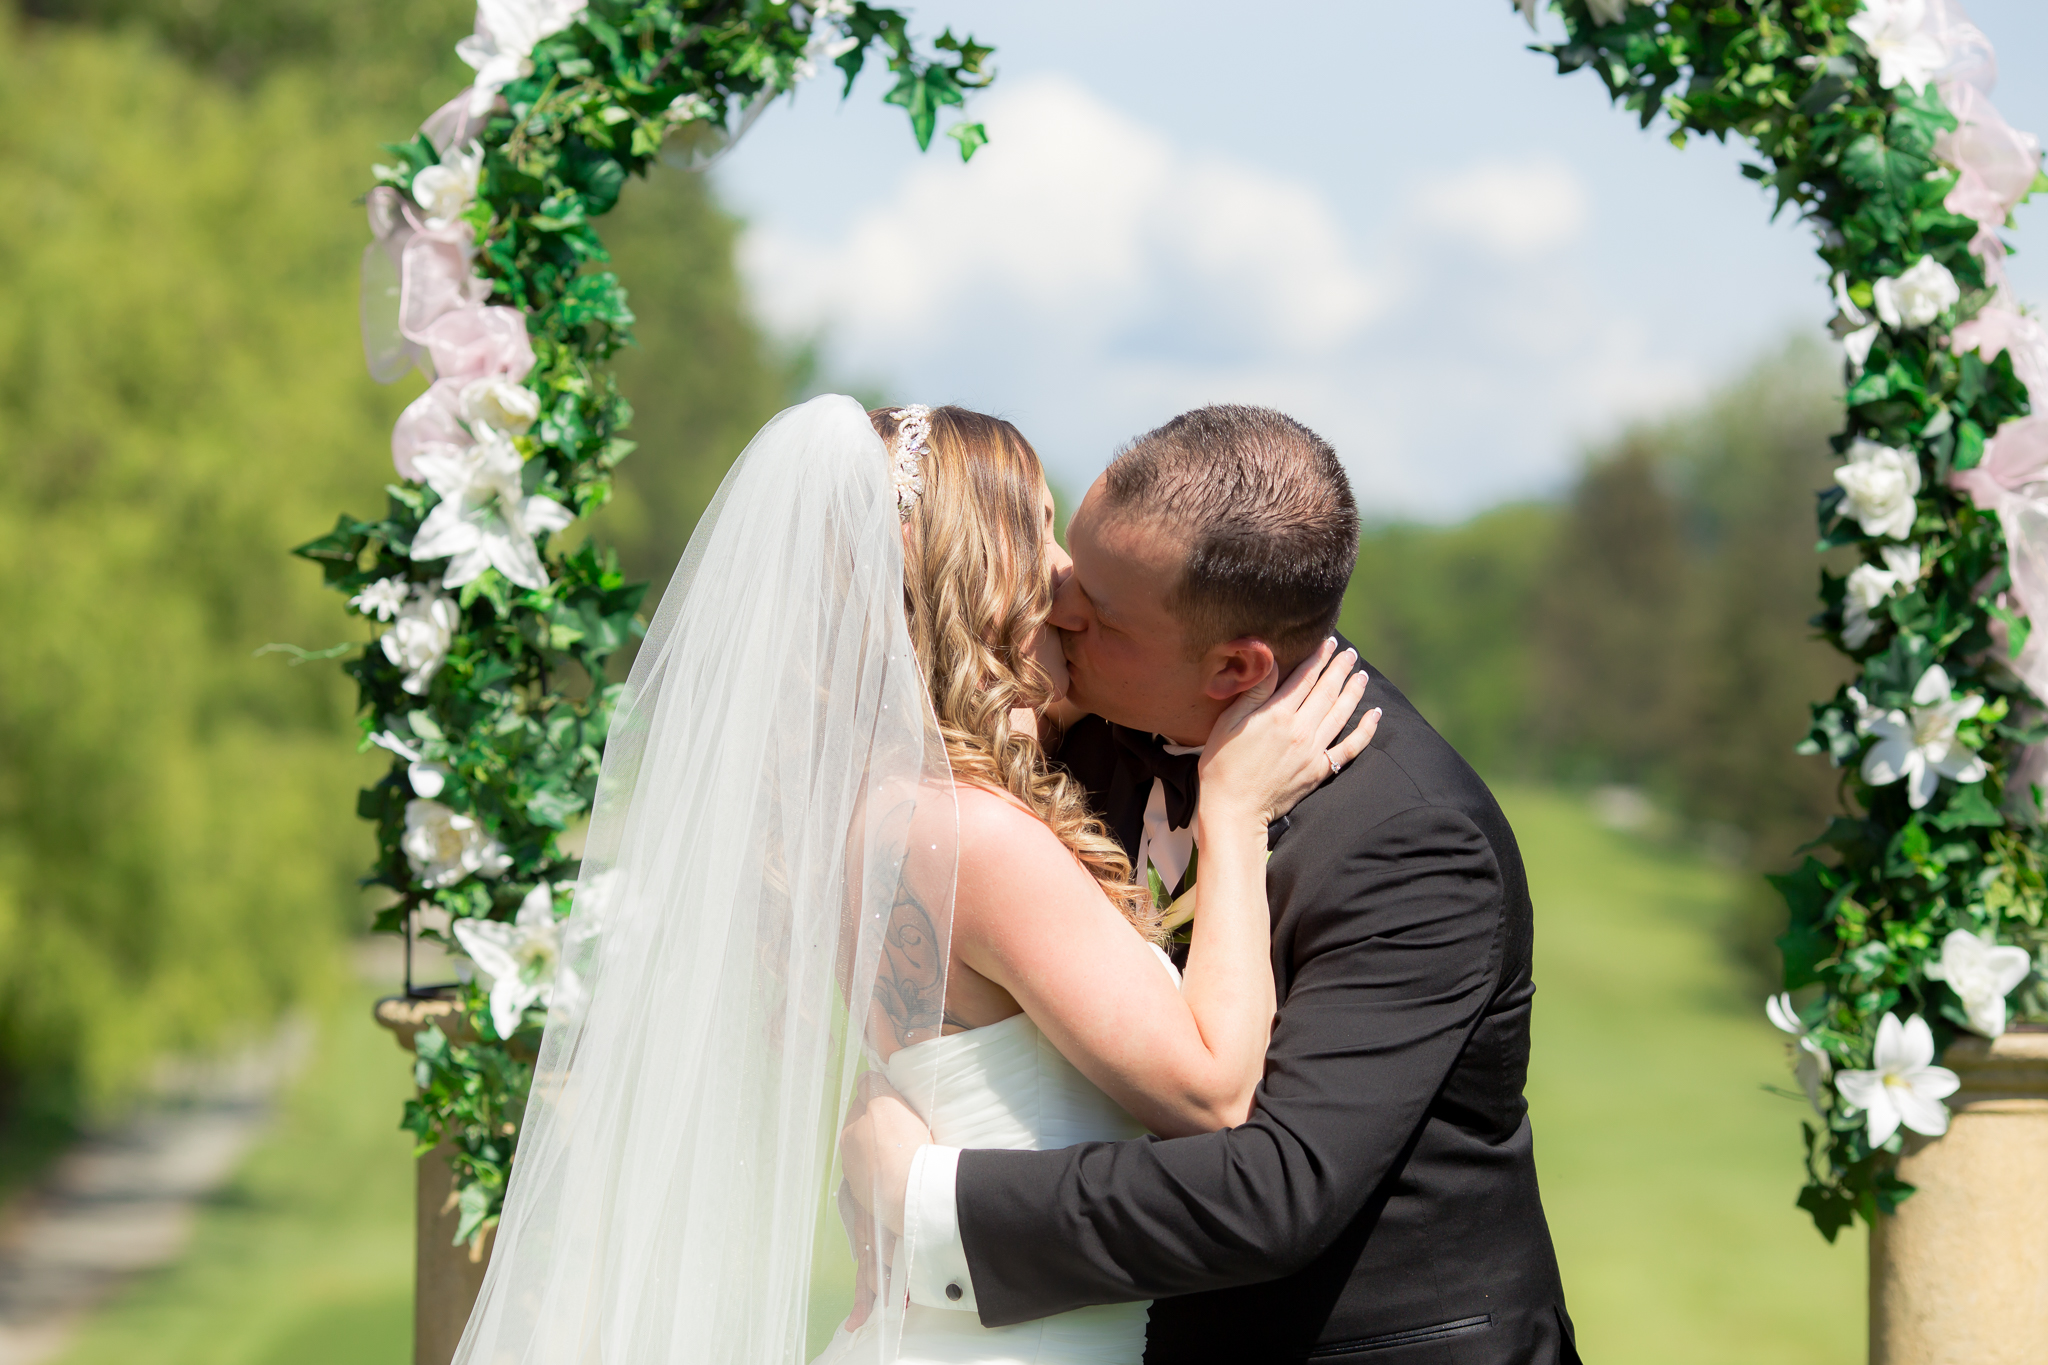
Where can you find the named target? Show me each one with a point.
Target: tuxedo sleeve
(1393, 967)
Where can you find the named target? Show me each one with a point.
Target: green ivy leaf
(972, 137)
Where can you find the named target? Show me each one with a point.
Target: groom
(1380, 1203)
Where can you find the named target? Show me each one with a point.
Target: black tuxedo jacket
(1380, 1204)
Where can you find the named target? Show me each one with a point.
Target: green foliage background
(1649, 628)
(182, 397)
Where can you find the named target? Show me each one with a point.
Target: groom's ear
(1235, 666)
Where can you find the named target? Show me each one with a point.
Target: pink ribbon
(421, 297)
(454, 125)
(465, 344)
(1998, 163)
(2012, 481)
(1998, 329)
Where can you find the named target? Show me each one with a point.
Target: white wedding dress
(1006, 1085)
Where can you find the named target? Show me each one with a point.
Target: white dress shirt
(1165, 849)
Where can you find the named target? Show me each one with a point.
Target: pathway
(123, 1202)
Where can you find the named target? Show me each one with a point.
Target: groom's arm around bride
(1380, 1203)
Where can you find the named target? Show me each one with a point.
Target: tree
(1609, 623)
(182, 397)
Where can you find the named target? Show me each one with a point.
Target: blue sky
(1390, 220)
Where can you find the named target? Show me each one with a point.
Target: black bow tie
(1177, 772)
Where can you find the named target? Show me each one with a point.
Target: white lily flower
(1857, 344)
(1982, 974)
(1918, 297)
(1869, 586)
(447, 190)
(1905, 1087)
(418, 640)
(1845, 305)
(1881, 482)
(1922, 748)
(501, 49)
(1812, 1064)
(483, 520)
(443, 846)
(500, 404)
(1896, 33)
(524, 959)
(427, 779)
(382, 599)
(1857, 331)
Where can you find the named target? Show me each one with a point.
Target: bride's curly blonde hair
(977, 588)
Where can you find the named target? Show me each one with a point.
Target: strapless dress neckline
(1005, 1085)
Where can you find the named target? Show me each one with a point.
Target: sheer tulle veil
(774, 823)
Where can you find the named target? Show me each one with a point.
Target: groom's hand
(881, 1135)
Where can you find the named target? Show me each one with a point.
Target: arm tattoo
(910, 978)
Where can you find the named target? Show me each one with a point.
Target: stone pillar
(445, 1277)
(1959, 1276)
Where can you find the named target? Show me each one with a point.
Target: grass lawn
(1667, 1171)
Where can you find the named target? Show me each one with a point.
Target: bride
(828, 857)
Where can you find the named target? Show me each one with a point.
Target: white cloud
(1080, 217)
(1088, 278)
(1512, 211)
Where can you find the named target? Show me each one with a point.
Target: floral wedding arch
(1872, 120)
(489, 686)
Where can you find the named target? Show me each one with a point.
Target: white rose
(418, 641)
(1868, 587)
(447, 190)
(1865, 590)
(443, 847)
(500, 404)
(1917, 297)
(1881, 484)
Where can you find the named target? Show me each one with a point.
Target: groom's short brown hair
(1266, 513)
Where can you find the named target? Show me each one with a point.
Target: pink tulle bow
(432, 419)
(469, 342)
(1971, 60)
(1998, 329)
(2010, 482)
(386, 350)
(422, 297)
(1998, 163)
(466, 345)
(454, 124)
(413, 275)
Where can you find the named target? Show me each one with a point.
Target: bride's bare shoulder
(996, 817)
(1003, 840)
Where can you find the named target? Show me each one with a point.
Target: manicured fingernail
(1373, 714)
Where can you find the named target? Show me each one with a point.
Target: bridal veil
(764, 906)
